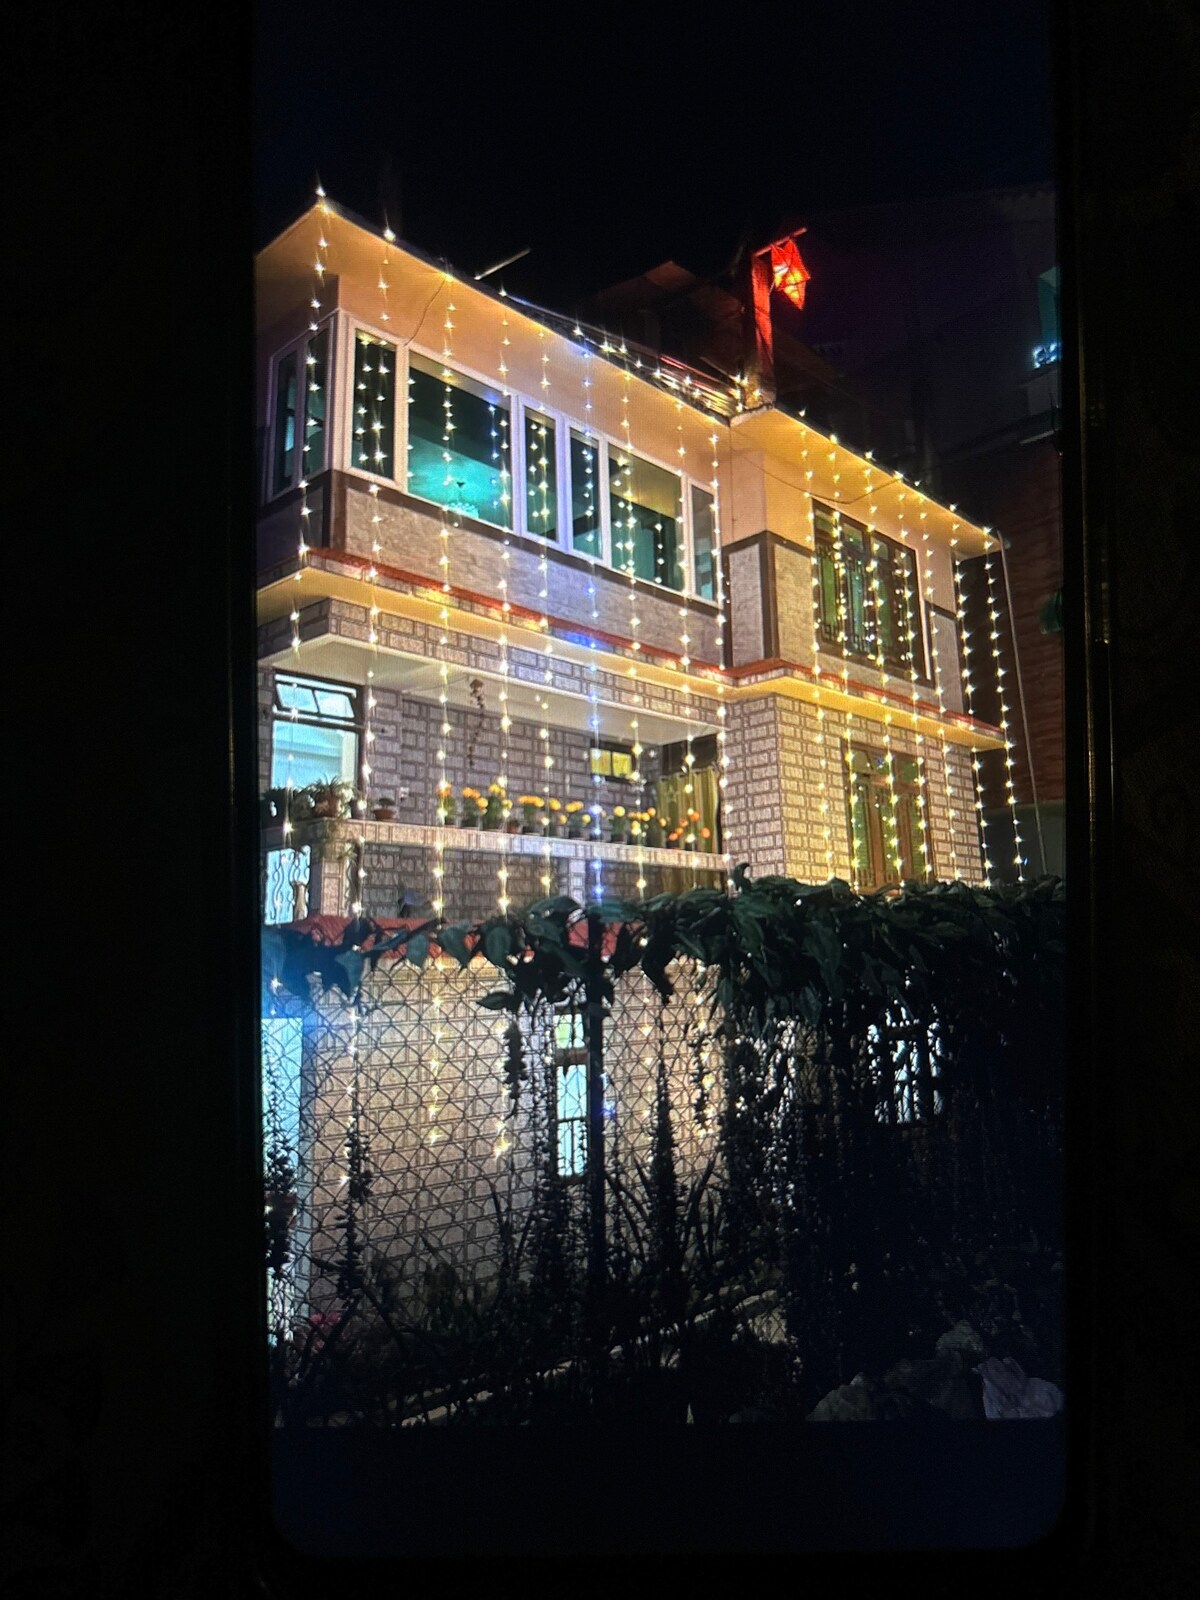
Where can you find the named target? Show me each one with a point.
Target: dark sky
(609, 138)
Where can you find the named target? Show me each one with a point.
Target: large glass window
(283, 472)
(645, 504)
(316, 382)
(704, 542)
(541, 477)
(877, 608)
(458, 443)
(314, 733)
(374, 404)
(585, 496)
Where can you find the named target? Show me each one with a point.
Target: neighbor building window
(374, 428)
(645, 505)
(314, 733)
(301, 384)
(704, 542)
(541, 477)
(585, 495)
(283, 474)
(882, 830)
(458, 443)
(613, 761)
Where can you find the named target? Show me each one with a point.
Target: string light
(723, 810)
(502, 776)
(935, 654)
(889, 760)
(540, 473)
(822, 743)
(839, 562)
(1001, 693)
(685, 642)
(969, 695)
(626, 492)
(911, 616)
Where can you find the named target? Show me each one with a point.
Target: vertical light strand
(889, 757)
(444, 727)
(822, 742)
(1010, 787)
(939, 690)
(685, 639)
(911, 622)
(722, 706)
(969, 696)
(843, 598)
(320, 268)
(542, 485)
(502, 776)
(626, 493)
(594, 869)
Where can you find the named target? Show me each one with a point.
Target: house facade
(666, 627)
(541, 612)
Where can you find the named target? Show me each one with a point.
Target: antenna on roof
(507, 262)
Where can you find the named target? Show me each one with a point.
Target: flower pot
(326, 808)
(384, 813)
(512, 825)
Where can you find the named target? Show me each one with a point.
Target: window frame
(281, 714)
(565, 423)
(906, 789)
(298, 347)
(895, 664)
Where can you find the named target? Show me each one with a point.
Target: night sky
(611, 138)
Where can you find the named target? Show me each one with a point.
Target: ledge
(481, 841)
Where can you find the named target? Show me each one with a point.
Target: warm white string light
(969, 695)
(723, 811)
(892, 829)
(538, 473)
(839, 563)
(685, 639)
(910, 622)
(822, 741)
(935, 658)
(1002, 695)
(626, 493)
(502, 776)
(592, 490)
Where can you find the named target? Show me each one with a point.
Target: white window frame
(298, 347)
(354, 326)
(519, 403)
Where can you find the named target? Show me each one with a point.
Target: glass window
(883, 594)
(873, 820)
(585, 495)
(704, 542)
(541, 477)
(458, 443)
(374, 404)
(645, 503)
(316, 380)
(570, 1102)
(314, 733)
(283, 474)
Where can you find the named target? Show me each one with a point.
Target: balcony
(340, 862)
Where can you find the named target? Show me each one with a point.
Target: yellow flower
(618, 811)
(555, 805)
(574, 805)
(481, 802)
(470, 794)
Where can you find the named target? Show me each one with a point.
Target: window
(869, 597)
(541, 477)
(613, 761)
(302, 371)
(283, 474)
(704, 541)
(1050, 348)
(314, 733)
(458, 444)
(373, 444)
(585, 495)
(645, 507)
(879, 832)
(570, 1096)
(907, 1067)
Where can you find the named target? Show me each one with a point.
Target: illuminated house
(501, 550)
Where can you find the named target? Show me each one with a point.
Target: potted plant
(384, 809)
(654, 829)
(470, 807)
(330, 797)
(691, 830)
(574, 811)
(620, 826)
(445, 805)
(673, 837)
(531, 806)
(556, 819)
(705, 839)
(493, 807)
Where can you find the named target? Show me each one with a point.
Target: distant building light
(1045, 355)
